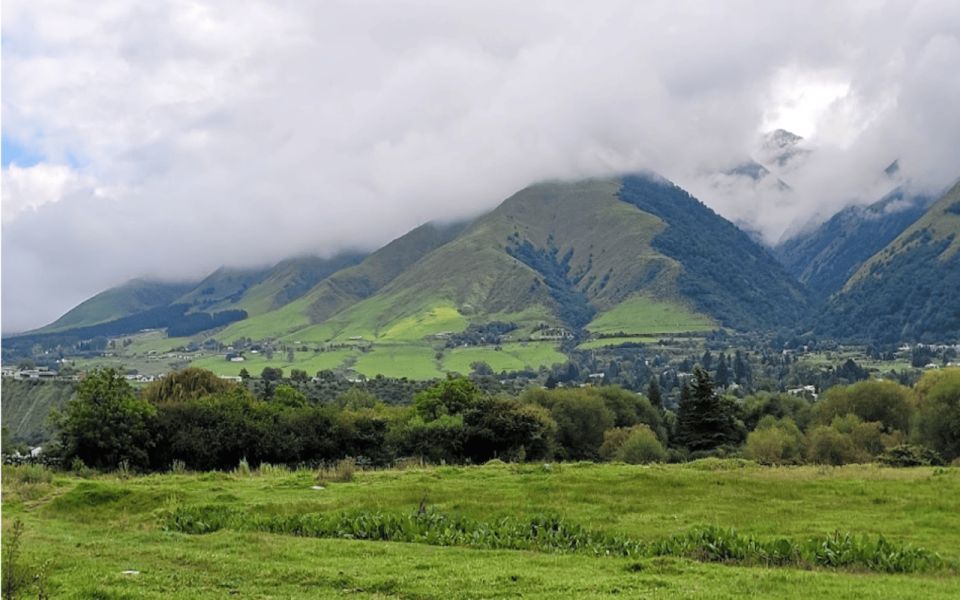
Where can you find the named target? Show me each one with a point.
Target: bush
(827, 446)
(907, 455)
(641, 447)
(341, 472)
(938, 412)
(775, 442)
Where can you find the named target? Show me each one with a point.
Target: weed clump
(341, 471)
(554, 534)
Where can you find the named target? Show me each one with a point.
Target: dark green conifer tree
(705, 421)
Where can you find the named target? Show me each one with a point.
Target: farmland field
(92, 530)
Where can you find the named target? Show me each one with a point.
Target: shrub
(907, 455)
(243, 468)
(938, 412)
(827, 446)
(641, 447)
(775, 442)
(341, 472)
(14, 579)
(633, 445)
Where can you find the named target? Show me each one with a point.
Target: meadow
(88, 530)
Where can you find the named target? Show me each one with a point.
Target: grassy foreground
(92, 530)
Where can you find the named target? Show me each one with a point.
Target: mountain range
(617, 257)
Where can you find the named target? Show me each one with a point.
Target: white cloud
(231, 132)
(28, 188)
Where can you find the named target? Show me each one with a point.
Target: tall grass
(554, 534)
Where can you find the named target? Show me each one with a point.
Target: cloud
(186, 135)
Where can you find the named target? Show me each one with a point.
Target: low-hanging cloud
(180, 136)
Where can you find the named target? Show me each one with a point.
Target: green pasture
(88, 532)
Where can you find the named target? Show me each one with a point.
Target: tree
(184, 385)
(449, 397)
(938, 412)
(581, 420)
(722, 376)
(271, 374)
(299, 376)
(289, 396)
(705, 421)
(741, 369)
(885, 402)
(508, 429)
(106, 424)
(653, 394)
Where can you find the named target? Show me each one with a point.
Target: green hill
(262, 291)
(346, 287)
(908, 290)
(133, 297)
(827, 256)
(26, 407)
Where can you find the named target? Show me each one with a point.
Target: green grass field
(411, 361)
(311, 362)
(93, 530)
(640, 315)
(511, 357)
(616, 341)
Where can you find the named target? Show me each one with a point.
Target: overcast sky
(166, 139)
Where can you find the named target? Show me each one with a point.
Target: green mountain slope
(262, 291)
(347, 286)
(564, 254)
(224, 286)
(908, 290)
(826, 257)
(130, 298)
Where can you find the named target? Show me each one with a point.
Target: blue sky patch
(14, 152)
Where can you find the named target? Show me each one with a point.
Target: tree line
(196, 418)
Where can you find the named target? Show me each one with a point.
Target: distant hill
(130, 298)
(825, 257)
(908, 290)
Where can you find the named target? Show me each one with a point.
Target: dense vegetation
(725, 273)
(573, 307)
(912, 295)
(825, 258)
(197, 419)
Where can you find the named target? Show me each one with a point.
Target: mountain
(908, 290)
(133, 297)
(782, 148)
(825, 257)
(261, 291)
(349, 286)
(622, 256)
